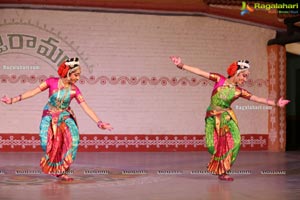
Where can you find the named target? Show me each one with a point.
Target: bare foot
(225, 177)
(66, 178)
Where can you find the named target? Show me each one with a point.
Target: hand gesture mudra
(5, 99)
(104, 125)
(282, 102)
(175, 59)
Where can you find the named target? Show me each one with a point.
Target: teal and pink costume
(221, 127)
(58, 128)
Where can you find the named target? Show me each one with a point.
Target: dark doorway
(293, 109)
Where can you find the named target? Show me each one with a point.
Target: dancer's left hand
(104, 125)
(282, 102)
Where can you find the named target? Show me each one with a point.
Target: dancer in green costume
(222, 133)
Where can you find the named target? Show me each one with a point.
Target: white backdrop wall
(127, 77)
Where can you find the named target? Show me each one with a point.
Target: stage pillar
(277, 89)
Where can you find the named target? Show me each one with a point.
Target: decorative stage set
(128, 79)
(157, 148)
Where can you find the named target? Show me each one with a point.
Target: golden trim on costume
(214, 77)
(43, 86)
(80, 98)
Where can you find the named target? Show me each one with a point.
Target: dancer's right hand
(176, 60)
(5, 99)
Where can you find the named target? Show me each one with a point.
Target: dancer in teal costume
(59, 133)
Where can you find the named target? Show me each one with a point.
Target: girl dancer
(58, 128)
(222, 133)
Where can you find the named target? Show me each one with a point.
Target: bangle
(99, 124)
(180, 65)
(20, 97)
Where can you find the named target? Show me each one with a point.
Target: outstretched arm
(26, 95)
(281, 102)
(94, 117)
(177, 61)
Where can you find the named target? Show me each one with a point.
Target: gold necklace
(229, 83)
